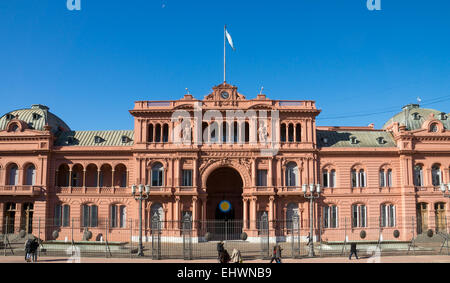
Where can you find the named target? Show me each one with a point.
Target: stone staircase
(434, 243)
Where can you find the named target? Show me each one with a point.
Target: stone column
(270, 173)
(204, 201)
(177, 211)
(70, 178)
(112, 177)
(195, 173)
(254, 173)
(18, 217)
(253, 212)
(279, 173)
(271, 211)
(244, 212)
(194, 208)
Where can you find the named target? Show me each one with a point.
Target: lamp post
(445, 189)
(312, 194)
(140, 196)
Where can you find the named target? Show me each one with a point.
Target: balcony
(427, 189)
(93, 190)
(21, 190)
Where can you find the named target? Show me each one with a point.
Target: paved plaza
(384, 259)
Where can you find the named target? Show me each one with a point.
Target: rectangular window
(113, 216)
(359, 216)
(389, 178)
(354, 179)
(123, 216)
(66, 216)
(262, 178)
(187, 178)
(382, 178)
(325, 179)
(332, 181)
(58, 216)
(326, 217)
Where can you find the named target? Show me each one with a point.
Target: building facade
(194, 163)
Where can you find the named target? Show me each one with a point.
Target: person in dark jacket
(28, 249)
(220, 249)
(353, 251)
(276, 254)
(33, 249)
(224, 256)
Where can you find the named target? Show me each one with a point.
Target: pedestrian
(224, 256)
(33, 249)
(220, 249)
(276, 254)
(353, 251)
(236, 256)
(27, 248)
(309, 239)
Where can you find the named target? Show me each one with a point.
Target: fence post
(156, 237)
(187, 242)
(320, 235)
(131, 237)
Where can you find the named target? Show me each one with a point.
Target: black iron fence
(188, 240)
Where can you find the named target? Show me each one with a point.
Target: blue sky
(90, 66)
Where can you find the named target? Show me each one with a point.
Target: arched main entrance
(224, 205)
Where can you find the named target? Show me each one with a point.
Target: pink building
(51, 175)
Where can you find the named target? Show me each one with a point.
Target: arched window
(246, 132)
(291, 133)
(359, 215)
(436, 175)
(329, 178)
(158, 133)
(63, 175)
(283, 133)
(118, 214)
(13, 175)
(157, 210)
(388, 218)
(434, 128)
(165, 134)
(418, 175)
(330, 216)
(291, 175)
(298, 133)
(385, 178)
(77, 176)
(89, 217)
(150, 133)
(157, 175)
(62, 215)
(359, 179)
(225, 132)
(292, 216)
(30, 175)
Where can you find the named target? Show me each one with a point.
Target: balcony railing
(21, 190)
(94, 190)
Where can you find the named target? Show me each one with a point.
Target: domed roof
(413, 117)
(36, 117)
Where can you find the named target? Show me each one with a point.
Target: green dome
(413, 117)
(36, 117)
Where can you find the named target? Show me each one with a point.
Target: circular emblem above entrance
(225, 206)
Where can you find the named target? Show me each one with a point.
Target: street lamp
(445, 189)
(313, 193)
(140, 196)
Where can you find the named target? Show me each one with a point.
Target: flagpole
(224, 54)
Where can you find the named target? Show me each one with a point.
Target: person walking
(33, 249)
(27, 248)
(353, 251)
(276, 254)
